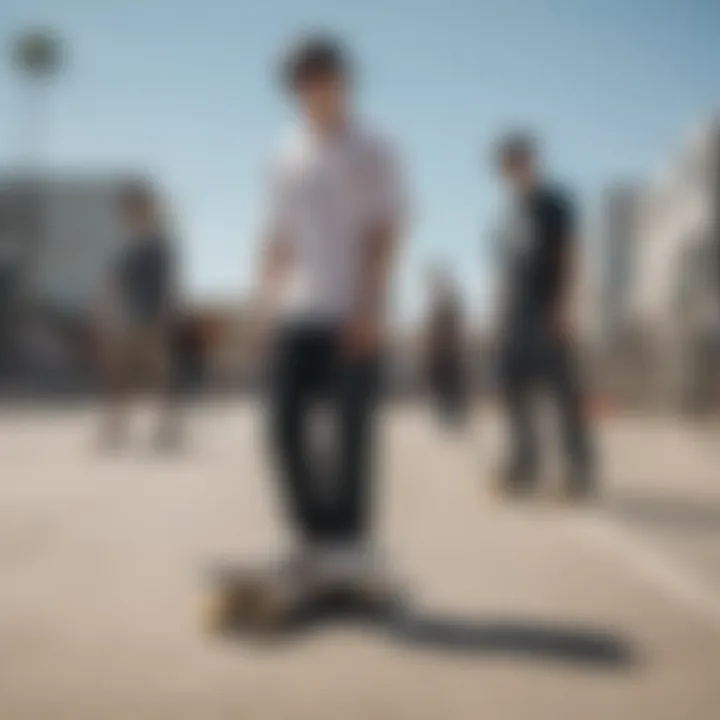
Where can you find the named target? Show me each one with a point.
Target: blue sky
(185, 89)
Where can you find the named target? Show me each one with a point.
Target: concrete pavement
(527, 611)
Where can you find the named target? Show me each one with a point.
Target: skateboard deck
(266, 600)
(259, 598)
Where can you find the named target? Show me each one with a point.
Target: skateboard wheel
(217, 612)
(269, 611)
(226, 608)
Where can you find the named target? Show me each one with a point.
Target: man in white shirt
(334, 218)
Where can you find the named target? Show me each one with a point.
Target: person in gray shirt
(138, 346)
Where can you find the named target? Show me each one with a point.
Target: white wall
(677, 212)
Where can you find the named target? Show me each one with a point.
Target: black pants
(327, 489)
(533, 357)
(447, 387)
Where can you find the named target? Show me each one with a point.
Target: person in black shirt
(537, 245)
(138, 337)
(444, 349)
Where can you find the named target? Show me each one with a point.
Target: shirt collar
(340, 135)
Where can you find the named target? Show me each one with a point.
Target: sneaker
(357, 569)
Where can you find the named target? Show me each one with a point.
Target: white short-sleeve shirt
(328, 193)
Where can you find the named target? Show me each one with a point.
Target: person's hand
(561, 323)
(361, 336)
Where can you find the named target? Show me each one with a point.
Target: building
(676, 298)
(607, 270)
(616, 256)
(58, 233)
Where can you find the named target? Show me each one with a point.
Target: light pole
(38, 56)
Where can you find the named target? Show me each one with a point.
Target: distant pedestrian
(139, 322)
(444, 351)
(537, 344)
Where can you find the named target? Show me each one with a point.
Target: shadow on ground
(674, 513)
(521, 638)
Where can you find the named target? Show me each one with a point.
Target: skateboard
(263, 599)
(266, 601)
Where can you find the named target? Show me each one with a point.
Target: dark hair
(137, 197)
(516, 147)
(311, 58)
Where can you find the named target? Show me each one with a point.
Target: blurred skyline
(187, 91)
